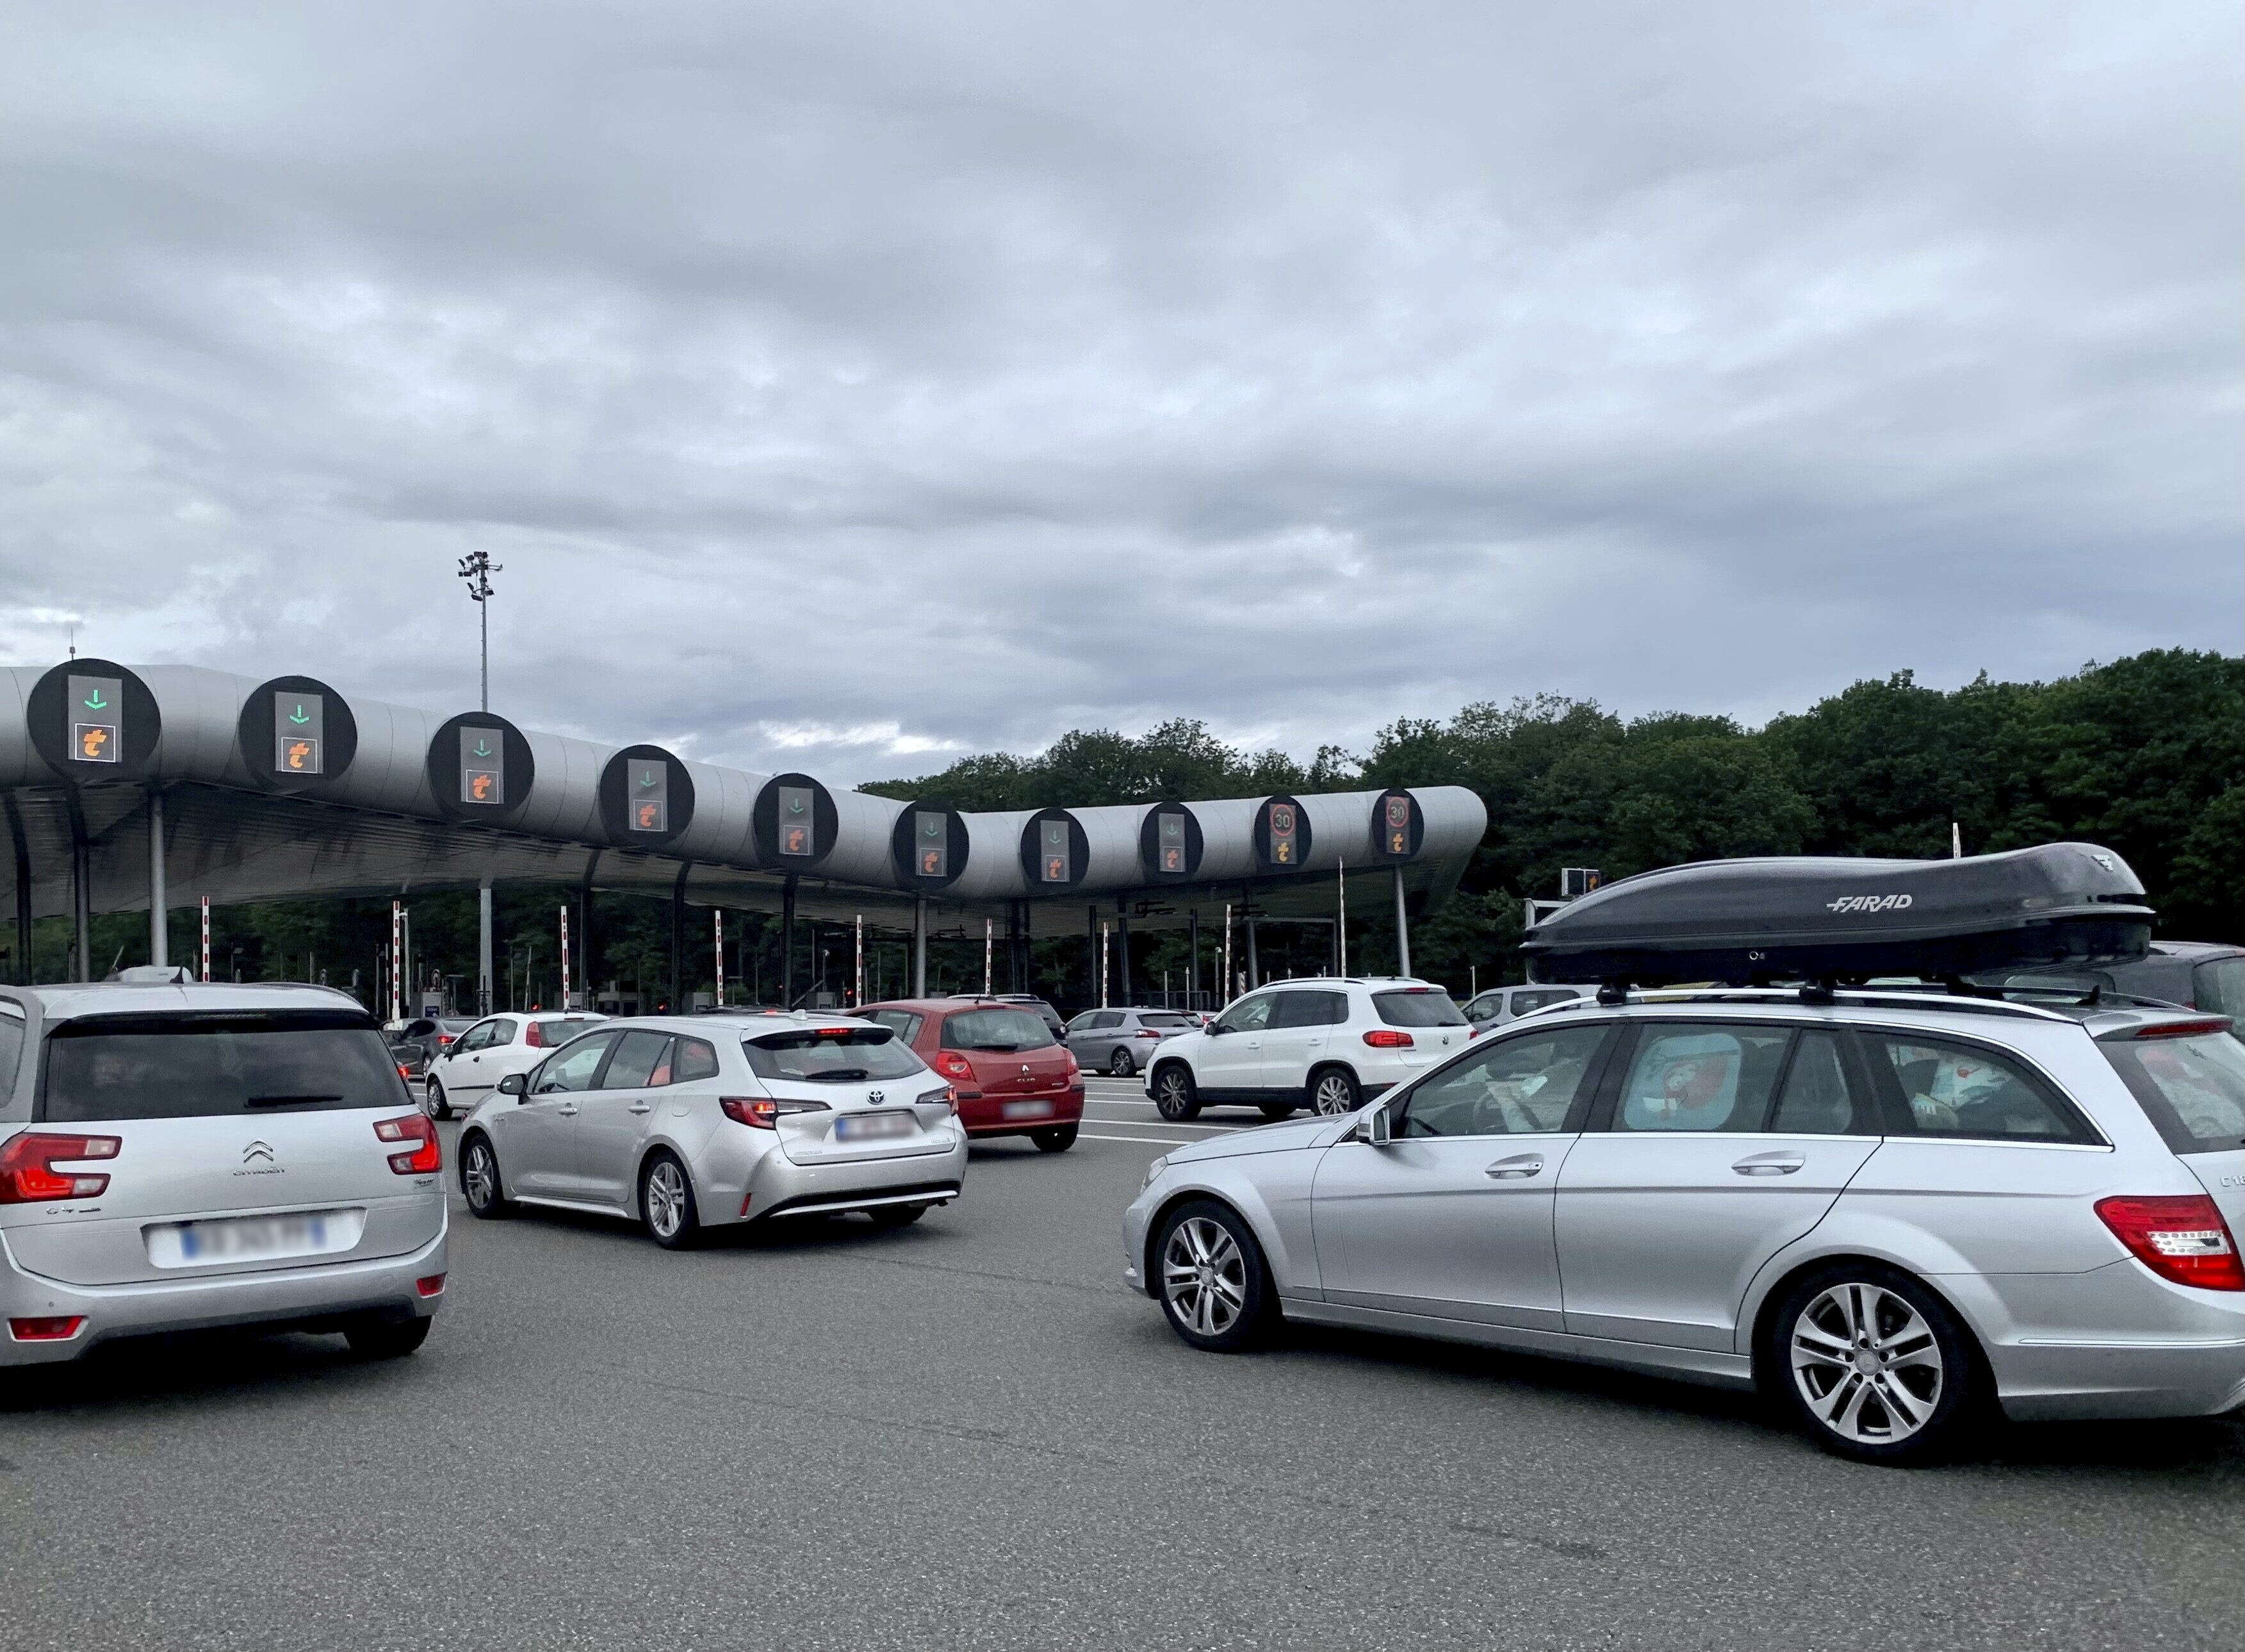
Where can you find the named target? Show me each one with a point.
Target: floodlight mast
(477, 567)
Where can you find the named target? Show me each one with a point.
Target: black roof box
(1750, 923)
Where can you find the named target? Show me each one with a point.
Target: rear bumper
(385, 1285)
(779, 1187)
(986, 1115)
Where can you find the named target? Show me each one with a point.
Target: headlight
(1154, 1170)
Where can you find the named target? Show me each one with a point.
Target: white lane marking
(1142, 1141)
(1142, 1124)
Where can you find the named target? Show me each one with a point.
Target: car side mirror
(515, 1085)
(1378, 1128)
(1214, 1028)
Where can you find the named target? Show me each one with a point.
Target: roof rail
(1930, 998)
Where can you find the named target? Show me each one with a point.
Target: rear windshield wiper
(282, 1101)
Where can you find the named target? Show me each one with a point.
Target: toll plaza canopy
(286, 787)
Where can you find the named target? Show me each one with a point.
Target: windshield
(1164, 1019)
(190, 1066)
(1417, 1006)
(2220, 986)
(996, 1030)
(832, 1055)
(2193, 1090)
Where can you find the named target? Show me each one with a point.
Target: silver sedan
(687, 1123)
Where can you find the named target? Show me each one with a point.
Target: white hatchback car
(473, 1063)
(1328, 1043)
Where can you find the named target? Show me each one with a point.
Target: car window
(11, 1048)
(2193, 1090)
(1514, 1086)
(902, 1022)
(574, 1066)
(1082, 1023)
(1524, 1001)
(638, 1054)
(1688, 1076)
(1162, 1019)
(1815, 1100)
(1106, 1018)
(1962, 1091)
(191, 1065)
(693, 1059)
(1488, 1004)
(834, 1055)
(2219, 986)
(503, 1032)
(997, 1029)
(1248, 1014)
(1416, 1007)
(1303, 1008)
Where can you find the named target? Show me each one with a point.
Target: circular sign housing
(296, 734)
(1398, 825)
(647, 798)
(1169, 843)
(1055, 854)
(1282, 835)
(929, 845)
(794, 822)
(92, 720)
(480, 768)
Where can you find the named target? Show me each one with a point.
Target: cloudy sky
(846, 385)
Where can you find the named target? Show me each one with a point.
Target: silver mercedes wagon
(1891, 1211)
(177, 1156)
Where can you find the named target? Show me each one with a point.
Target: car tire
(666, 1202)
(896, 1215)
(1176, 1097)
(480, 1183)
(439, 1108)
(1119, 1062)
(1215, 1286)
(1911, 1385)
(388, 1338)
(1334, 1090)
(1058, 1139)
(1275, 1111)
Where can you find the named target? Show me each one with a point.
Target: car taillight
(2178, 1236)
(2183, 1029)
(430, 1285)
(952, 1064)
(443, 1039)
(762, 1113)
(427, 1155)
(55, 1328)
(28, 1162)
(1387, 1038)
(1149, 1032)
(532, 1038)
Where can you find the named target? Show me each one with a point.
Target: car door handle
(641, 1106)
(567, 1110)
(1520, 1165)
(1770, 1164)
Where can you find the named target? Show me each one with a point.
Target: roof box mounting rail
(1830, 922)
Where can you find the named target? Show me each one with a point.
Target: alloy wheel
(1119, 1064)
(1204, 1276)
(1334, 1094)
(479, 1174)
(665, 1197)
(1173, 1094)
(1866, 1363)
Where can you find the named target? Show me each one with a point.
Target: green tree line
(2145, 755)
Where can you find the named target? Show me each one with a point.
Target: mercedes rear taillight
(2179, 1236)
(428, 1154)
(28, 1162)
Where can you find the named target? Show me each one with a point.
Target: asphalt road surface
(971, 1434)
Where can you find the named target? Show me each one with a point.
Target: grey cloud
(977, 373)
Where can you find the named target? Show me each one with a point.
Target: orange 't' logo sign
(91, 740)
(298, 750)
(481, 786)
(647, 817)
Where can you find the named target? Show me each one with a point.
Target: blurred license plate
(1027, 1109)
(873, 1126)
(247, 1238)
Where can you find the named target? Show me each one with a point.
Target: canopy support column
(81, 895)
(678, 940)
(23, 892)
(1254, 964)
(1192, 959)
(160, 906)
(1091, 956)
(1122, 956)
(787, 943)
(1402, 930)
(590, 985)
(920, 946)
(484, 968)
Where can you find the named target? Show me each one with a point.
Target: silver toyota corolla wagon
(178, 1157)
(1889, 1210)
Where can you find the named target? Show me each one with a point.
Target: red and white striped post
(717, 916)
(397, 959)
(206, 937)
(566, 1004)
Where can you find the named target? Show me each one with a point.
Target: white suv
(1331, 1045)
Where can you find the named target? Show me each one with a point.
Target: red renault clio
(1011, 1076)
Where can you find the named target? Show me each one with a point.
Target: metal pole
(159, 938)
(1402, 930)
(564, 955)
(81, 895)
(487, 967)
(591, 988)
(717, 913)
(483, 615)
(787, 944)
(920, 946)
(1224, 990)
(206, 950)
(857, 974)
(1254, 964)
(1091, 966)
(986, 956)
(23, 892)
(678, 940)
(1103, 932)
(1340, 923)
(1192, 959)
(1123, 990)
(397, 959)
